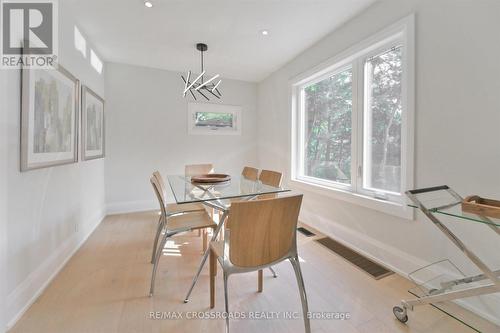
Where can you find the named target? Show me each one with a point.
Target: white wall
(3, 198)
(52, 210)
(147, 130)
(457, 136)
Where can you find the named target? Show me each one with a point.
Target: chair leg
(274, 272)
(213, 274)
(261, 285)
(204, 258)
(302, 290)
(155, 265)
(226, 301)
(205, 239)
(158, 233)
(199, 232)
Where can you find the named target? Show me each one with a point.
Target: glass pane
(382, 127)
(327, 111)
(184, 191)
(214, 119)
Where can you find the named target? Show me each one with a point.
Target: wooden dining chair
(250, 173)
(263, 233)
(172, 209)
(271, 178)
(175, 224)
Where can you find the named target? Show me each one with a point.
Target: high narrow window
(80, 42)
(95, 61)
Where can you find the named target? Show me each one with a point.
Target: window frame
(302, 131)
(399, 33)
(194, 107)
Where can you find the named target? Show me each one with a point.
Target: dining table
(217, 196)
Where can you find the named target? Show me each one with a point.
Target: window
(327, 111)
(95, 61)
(219, 119)
(382, 121)
(80, 42)
(214, 120)
(353, 121)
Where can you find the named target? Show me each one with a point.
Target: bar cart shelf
(444, 281)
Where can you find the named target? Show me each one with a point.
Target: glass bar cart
(443, 281)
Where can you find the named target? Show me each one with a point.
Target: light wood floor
(104, 288)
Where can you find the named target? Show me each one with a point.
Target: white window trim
(193, 108)
(403, 32)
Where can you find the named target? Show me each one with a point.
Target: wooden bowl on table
(210, 178)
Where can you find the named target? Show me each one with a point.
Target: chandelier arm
(186, 82)
(208, 99)
(210, 91)
(192, 84)
(207, 82)
(192, 94)
(216, 85)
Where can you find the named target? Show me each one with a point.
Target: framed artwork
(49, 118)
(214, 119)
(93, 143)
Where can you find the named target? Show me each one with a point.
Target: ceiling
(164, 36)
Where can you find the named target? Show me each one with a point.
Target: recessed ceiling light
(264, 32)
(148, 4)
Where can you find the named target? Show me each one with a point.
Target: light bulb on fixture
(148, 4)
(264, 32)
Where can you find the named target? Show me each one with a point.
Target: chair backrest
(198, 169)
(250, 173)
(263, 231)
(161, 183)
(160, 195)
(271, 178)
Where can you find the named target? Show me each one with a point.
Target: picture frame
(49, 118)
(93, 141)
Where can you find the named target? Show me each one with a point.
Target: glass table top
(186, 192)
(456, 211)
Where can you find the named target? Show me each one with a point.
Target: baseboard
(393, 258)
(130, 207)
(26, 293)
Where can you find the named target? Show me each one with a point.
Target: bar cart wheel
(400, 314)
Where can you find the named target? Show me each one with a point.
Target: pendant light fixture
(199, 85)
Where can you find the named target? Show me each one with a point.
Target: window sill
(388, 207)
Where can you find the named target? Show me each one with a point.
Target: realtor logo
(29, 33)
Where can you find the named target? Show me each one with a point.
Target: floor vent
(370, 267)
(306, 232)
